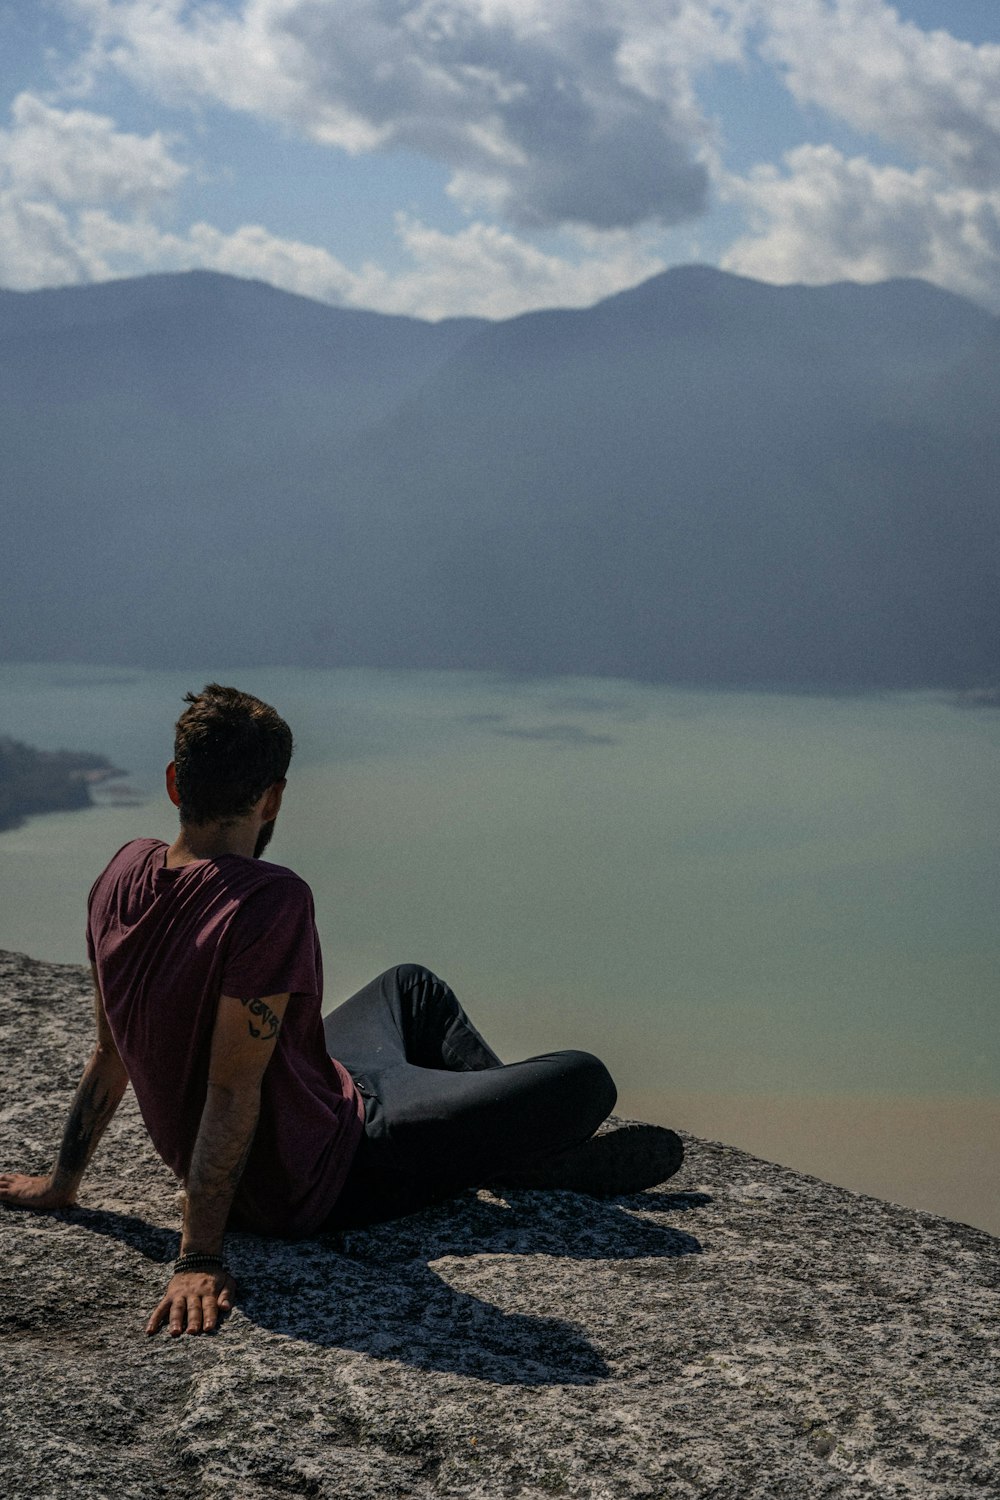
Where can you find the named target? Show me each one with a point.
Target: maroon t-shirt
(167, 944)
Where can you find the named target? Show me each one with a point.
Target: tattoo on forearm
(269, 1022)
(92, 1108)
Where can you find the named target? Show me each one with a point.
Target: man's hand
(194, 1302)
(98, 1095)
(40, 1193)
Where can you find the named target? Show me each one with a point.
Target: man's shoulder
(271, 911)
(250, 876)
(137, 849)
(135, 852)
(276, 872)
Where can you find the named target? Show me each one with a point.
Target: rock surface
(746, 1331)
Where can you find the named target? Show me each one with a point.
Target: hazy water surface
(774, 916)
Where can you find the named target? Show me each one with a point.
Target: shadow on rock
(414, 1317)
(150, 1240)
(670, 1202)
(394, 1291)
(388, 1291)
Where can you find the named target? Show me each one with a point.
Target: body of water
(774, 916)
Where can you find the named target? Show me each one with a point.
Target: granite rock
(745, 1331)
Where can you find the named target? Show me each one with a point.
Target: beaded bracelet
(199, 1263)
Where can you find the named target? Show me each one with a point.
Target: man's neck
(211, 841)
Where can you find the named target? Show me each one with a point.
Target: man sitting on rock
(208, 989)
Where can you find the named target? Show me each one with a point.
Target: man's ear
(272, 801)
(172, 792)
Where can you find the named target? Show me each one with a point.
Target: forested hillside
(705, 479)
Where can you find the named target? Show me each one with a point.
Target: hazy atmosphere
(580, 418)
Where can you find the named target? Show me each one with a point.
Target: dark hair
(228, 749)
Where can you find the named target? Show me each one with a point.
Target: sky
(488, 157)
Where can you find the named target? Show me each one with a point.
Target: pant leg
(431, 1133)
(406, 1012)
(442, 1113)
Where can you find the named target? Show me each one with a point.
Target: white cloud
(53, 163)
(828, 218)
(934, 95)
(75, 206)
(555, 111)
(111, 246)
(37, 246)
(180, 51)
(823, 216)
(479, 271)
(495, 274)
(74, 156)
(580, 113)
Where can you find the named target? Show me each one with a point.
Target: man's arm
(243, 1043)
(98, 1095)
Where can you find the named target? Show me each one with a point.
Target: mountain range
(705, 479)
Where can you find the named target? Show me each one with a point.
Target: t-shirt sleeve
(91, 941)
(273, 947)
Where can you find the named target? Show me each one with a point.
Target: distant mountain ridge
(702, 479)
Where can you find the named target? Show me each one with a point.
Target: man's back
(167, 942)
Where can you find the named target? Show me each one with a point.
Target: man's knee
(408, 976)
(403, 977)
(593, 1083)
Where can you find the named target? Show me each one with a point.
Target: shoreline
(858, 1141)
(36, 782)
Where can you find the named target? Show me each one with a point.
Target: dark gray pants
(442, 1112)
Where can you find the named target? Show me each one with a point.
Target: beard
(263, 838)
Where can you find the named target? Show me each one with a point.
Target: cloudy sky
(437, 157)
